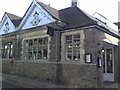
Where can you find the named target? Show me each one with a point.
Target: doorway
(108, 63)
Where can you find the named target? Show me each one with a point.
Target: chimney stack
(74, 3)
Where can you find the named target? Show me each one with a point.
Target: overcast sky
(108, 8)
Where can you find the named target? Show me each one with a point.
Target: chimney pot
(74, 3)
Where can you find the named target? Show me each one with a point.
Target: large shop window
(7, 50)
(36, 48)
(72, 45)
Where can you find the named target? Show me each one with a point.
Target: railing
(105, 21)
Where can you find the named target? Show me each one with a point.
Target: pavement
(111, 85)
(32, 83)
(28, 83)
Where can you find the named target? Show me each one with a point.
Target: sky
(108, 8)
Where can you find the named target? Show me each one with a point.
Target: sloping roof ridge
(64, 9)
(86, 14)
(14, 19)
(46, 5)
(12, 16)
(99, 23)
(82, 11)
(52, 11)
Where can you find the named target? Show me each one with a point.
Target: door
(108, 65)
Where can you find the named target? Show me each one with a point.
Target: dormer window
(6, 27)
(36, 19)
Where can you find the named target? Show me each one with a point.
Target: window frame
(38, 38)
(72, 45)
(82, 45)
(7, 50)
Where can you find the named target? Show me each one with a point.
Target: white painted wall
(11, 26)
(44, 16)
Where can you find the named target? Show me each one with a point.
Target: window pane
(11, 46)
(30, 43)
(45, 41)
(68, 56)
(69, 52)
(35, 45)
(76, 53)
(109, 61)
(26, 46)
(35, 55)
(45, 53)
(26, 43)
(40, 41)
(5, 46)
(69, 39)
(30, 49)
(76, 38)
(26, 55)
(39, 54)
(5, 54)
(35, 42)
(30, 55)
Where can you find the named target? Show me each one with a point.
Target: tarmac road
(9, 85)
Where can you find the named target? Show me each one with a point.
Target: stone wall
(94, 45)
(44, 71)
(71, 74)
(77, 75)
(56, 69)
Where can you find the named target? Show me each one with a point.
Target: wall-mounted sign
(88, 58)
(99, 61)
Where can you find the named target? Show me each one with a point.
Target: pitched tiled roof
(12, 16)
(15, 19)
(74, 17)
(50, 10)
(16, 22)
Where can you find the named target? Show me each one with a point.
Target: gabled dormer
(9, 23)
(38, 14)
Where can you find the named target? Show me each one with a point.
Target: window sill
(71, 62)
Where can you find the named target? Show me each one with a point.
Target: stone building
(67, 46)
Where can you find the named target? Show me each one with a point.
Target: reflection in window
(109, 61)
(72, 47)
(36, 48)
(7, 50)
(69, 39)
